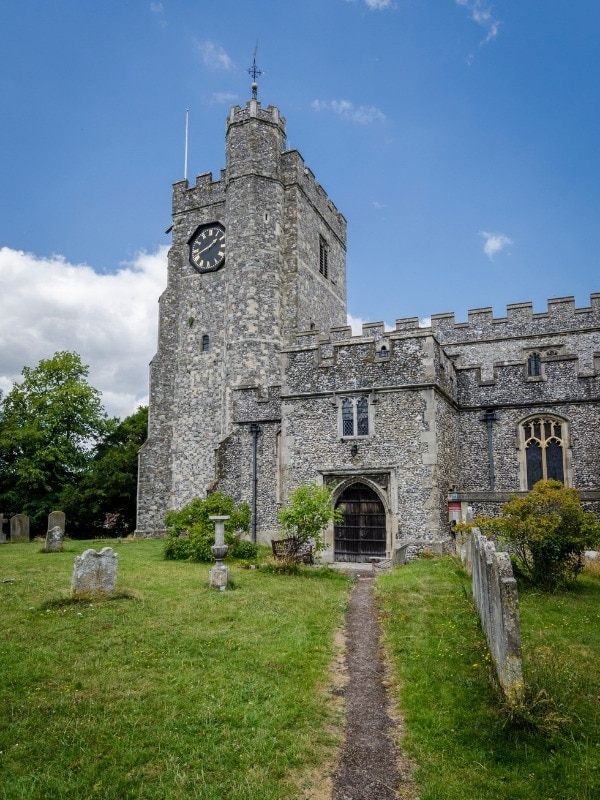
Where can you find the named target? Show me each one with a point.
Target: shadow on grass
(63, 602)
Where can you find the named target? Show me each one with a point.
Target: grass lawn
(465, 747)
(171, 690)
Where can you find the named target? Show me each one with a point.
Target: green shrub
(546, 532)
(190, 532)
(243, 549)
(308, 512)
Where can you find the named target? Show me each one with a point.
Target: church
(258, 385)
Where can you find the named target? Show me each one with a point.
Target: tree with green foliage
(308, 512)
(191, 532)
(50, 425)
(104, 502)
(547, 532)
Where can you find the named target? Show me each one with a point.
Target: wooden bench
(293, 550)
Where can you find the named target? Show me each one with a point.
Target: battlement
(376, 359)
(296, 173)
(206, 191)
(508, 384)
(253, 110)
(373, 331)
(520, 320)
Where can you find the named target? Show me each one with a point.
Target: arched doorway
(361, 535)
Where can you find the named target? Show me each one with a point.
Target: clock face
(207, 247)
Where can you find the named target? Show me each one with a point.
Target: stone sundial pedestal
(219, 574)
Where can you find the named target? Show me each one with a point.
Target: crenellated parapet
(520, 320)
(205, 192)
(253, 110)
(376, 359)
(297, 174)
(562, 381)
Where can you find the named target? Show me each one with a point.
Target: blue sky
(457, 137)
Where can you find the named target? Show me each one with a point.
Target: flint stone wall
(497, 602)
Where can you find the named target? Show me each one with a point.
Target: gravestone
(54, 539)
(56, 518)
(19, 528)
(94, 574)
(2, 534)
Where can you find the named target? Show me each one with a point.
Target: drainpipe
(489, 417)
(254, 430)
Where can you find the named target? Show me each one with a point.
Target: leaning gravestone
(94, 574)
(19, 528)
(54, 539)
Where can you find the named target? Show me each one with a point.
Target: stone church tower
(257, 257)
(259, 386)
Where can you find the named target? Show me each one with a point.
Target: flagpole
(185, 157)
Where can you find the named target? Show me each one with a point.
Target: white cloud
(376, 5)
(494, 243)
(110, 320)
(425, 322)
(356, 324)
(214, 56)
(158, 10)
(481, 13)
(225, 98)
(364, 115)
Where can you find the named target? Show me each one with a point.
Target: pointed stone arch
(364, 532)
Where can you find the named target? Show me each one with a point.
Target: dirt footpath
(371, 767)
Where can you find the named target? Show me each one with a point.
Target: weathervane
(254, 71)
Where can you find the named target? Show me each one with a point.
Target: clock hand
(208, 246)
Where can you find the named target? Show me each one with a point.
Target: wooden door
(361, 535)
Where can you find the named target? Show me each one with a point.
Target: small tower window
(323, 257)
(355, 416)
(205, 343)
(534, 365)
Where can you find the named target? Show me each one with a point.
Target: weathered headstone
(56, 518)
(2, 534)
(94, 574)
(496, 599)
(219, 574)
(19, 528)
(54, 539)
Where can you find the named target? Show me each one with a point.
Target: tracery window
(544, 445)
(355, 416)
